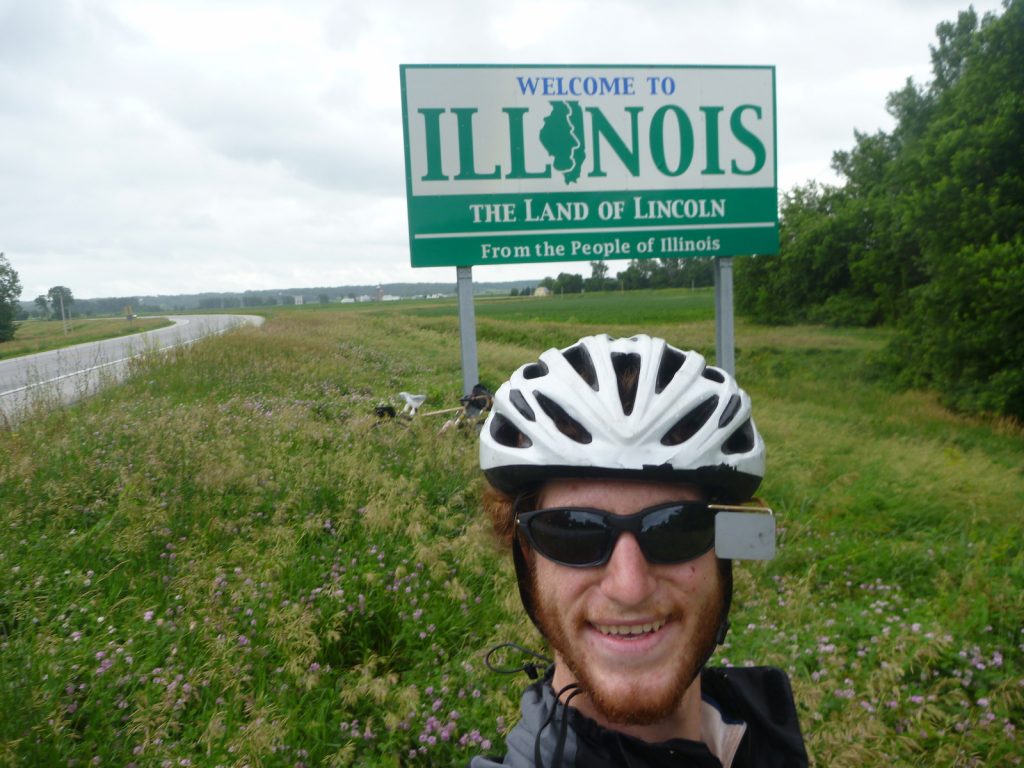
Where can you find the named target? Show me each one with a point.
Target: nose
(627, 577)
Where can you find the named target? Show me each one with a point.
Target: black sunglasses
(581, 537)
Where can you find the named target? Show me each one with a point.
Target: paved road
(67, 374)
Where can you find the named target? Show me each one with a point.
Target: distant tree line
(926, 232)
(48, 306)
(641, 273)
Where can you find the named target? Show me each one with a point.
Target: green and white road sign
(531, 163)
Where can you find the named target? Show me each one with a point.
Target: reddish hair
(501, 508)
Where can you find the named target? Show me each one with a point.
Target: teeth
(629, 629)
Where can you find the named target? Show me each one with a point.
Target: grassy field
(229, 560)
(34, 336)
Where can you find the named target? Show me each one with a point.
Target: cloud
(157, 146)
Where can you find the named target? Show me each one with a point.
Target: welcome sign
(512, 164)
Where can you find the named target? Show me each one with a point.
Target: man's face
(632, 634)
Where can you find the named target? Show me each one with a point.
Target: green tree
(61, 299)
(568, 283)
(697, 272)
(925, 233)
(964, 333)
(10, 292)
(44, 306)
(814, 236)
(955, 48)
(598, 280)
(663, 272)
(636, 275)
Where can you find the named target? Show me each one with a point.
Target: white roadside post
(725, 337)
(63, 319)
(467, 329)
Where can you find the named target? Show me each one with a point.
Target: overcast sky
(179, 146)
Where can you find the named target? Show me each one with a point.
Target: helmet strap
(723, 630)
(523, 578)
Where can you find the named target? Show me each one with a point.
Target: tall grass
(230, 560)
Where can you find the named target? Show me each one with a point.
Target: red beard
(641, 705)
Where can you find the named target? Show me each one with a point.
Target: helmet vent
(691, 423)
(521, 405)
(671, 361)
(565, 423)
(730, 411)
(627, 374)
(579, 358)
(741, 441)
(508, 434)
(713, 374)
(535, 370)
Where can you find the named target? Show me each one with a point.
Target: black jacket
(759, 696)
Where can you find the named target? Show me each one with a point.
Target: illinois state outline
(562, 136)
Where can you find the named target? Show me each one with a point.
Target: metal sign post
(725, 337)
(467, 329)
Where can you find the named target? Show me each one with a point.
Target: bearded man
(616, 469)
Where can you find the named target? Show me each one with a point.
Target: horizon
(305, 291)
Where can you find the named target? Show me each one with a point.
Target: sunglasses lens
(571, 536)
(672, 533)
(677, 533)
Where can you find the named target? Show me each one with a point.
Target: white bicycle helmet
(630, 407)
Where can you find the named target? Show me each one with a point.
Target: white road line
(88, 370)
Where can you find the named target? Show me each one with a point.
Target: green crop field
(231, 560)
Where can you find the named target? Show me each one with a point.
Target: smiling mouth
(629, 630)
